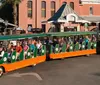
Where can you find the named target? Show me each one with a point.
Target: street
(71, 71)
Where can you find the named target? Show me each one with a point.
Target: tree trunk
(15, 13)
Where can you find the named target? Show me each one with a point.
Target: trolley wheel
(1, 71)
(88, 55)
(32, 65)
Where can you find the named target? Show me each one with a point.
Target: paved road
(71, 71)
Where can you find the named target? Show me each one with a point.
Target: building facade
(34, 12)
(84, 7)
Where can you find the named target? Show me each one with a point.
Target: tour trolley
(48, 50)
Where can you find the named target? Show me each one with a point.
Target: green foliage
(14, 4)
(2, 3)
(5, 14)
(13, 1)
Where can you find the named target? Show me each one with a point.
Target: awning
(9, 24)
(64, 14)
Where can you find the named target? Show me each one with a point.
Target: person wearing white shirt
(1, 54)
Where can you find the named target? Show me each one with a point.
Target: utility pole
(97, 25)
(35, 13)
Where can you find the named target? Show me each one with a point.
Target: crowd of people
(72, 40)
(26, 44)
(18, 46)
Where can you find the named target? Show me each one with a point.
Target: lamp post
(6, 24)
(97, 29)
(98, 38)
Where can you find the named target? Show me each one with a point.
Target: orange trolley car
(6, 66)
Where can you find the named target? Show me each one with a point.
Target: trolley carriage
(74, 49)
(14, 64)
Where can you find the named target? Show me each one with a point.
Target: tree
(14, 3)
(1, 3)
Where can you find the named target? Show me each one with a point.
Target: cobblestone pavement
(70, 71)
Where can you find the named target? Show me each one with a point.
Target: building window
(53, 7)
(72, 5)
(64, 2)
(29, 5)
(80, 2)
(43, 27)
(43, 9)
(91, 10)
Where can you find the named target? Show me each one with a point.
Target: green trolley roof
(71, 33)
(23, 36)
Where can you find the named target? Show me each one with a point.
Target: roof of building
(62, 13)
(92, 18)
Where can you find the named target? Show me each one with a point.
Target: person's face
(33, 41)
(86, 36)
(29, 41)
(18, 44)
